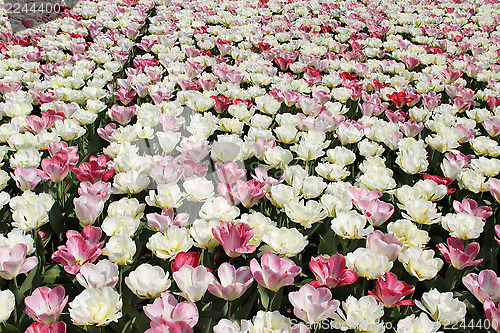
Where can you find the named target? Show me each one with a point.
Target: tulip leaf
(10, 328)
(264, 296)
(28, 282)
(140, 322)
(50, 275)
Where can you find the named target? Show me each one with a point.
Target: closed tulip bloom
(484, 285)
(227, 326)
(233, 282)
(442, 307)
(184, 258)
(88, 208)
(457, 256)
(229, 172)
(391, 291)
(193, 282)
(234, 238)
(313, 305)
(45, 305)
(148, 281)
(26, 179)
(166, 310)
(274, 272)
(95, 170)
(96, 307)
(102, 274)
(57, 327)
(492, 313)
(76, 252)
(331, 272)
(13, 261)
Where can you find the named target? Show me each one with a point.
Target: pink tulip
(233, 282)
(497, 231)
(411, 128)
(431, 100)
(262, 177)
(88, 208)
(313, 305)
(45, 305)
(234, 238)
(470, 206)
(184, 258)
(166, 310)
(492, 126)
(106, 132)
(56, 168)
(79, 249)
(57, 327)
(386, 244)
(101, 189)
(122, 114)
(125, 96)
(331, 272)
(492, 313)
(390, 291)
(166, 219)
(103, 274)
(483, 286)
(376, 211)
(455, 254)
(169, 123)
(26, 179)
(68, 153)
(13, 261)
(95, 170)
(494, 186)
(229, 172)
(274, 272)
(174, 327)
(361, 193)
(248, 193)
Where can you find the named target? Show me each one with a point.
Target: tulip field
(260, 166)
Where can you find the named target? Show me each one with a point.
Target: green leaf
(264, 296)
(28, 282)
(140, 321)
(10, 329)
(50, 276)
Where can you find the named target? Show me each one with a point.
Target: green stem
(228, 310)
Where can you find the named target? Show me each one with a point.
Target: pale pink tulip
(455, 254)
(274, 272)
(497, 231)
(100, 189)
(492, 126)
(331, 272)
(125, 96)
(361, 193)
(484, 285)
(46, 305)
(166, 219)
(492, 313)
(313, 305)
(88, 208)
(390, 291)
(411, 128)
(193, 282)
(234, 238)
(57, 327)
(376, 211)
(470, 206)
(68, 153)
(494, 186)
(248, 193)
(386, 244)
(229, 172)
(166, 310)
(122, 114)
(103, 274)
(233, 282)
(13, 261)
(26, 179)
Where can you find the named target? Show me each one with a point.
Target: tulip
(470, 206)
(96, 307)
(56, 168)
(485, 285)
(166, 310)
(148, 281)
(193, 282)
(26, 179)
(274, 272)
(183, 258)
(13, 261)
(376, 211)
(88, 208)
(7, 304)
(229, 172)
(45, 305)
(233, 283)
(492, 313)
(95, 170)
(390, 291)
(234, 238)
(331, 272)
(102, 274)
(455, 254)
(174, 327)
(313, 305)
(388, 245)
(497, 231)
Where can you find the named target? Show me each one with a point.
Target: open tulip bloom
(233, 166)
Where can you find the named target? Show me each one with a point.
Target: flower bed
(251, 166)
